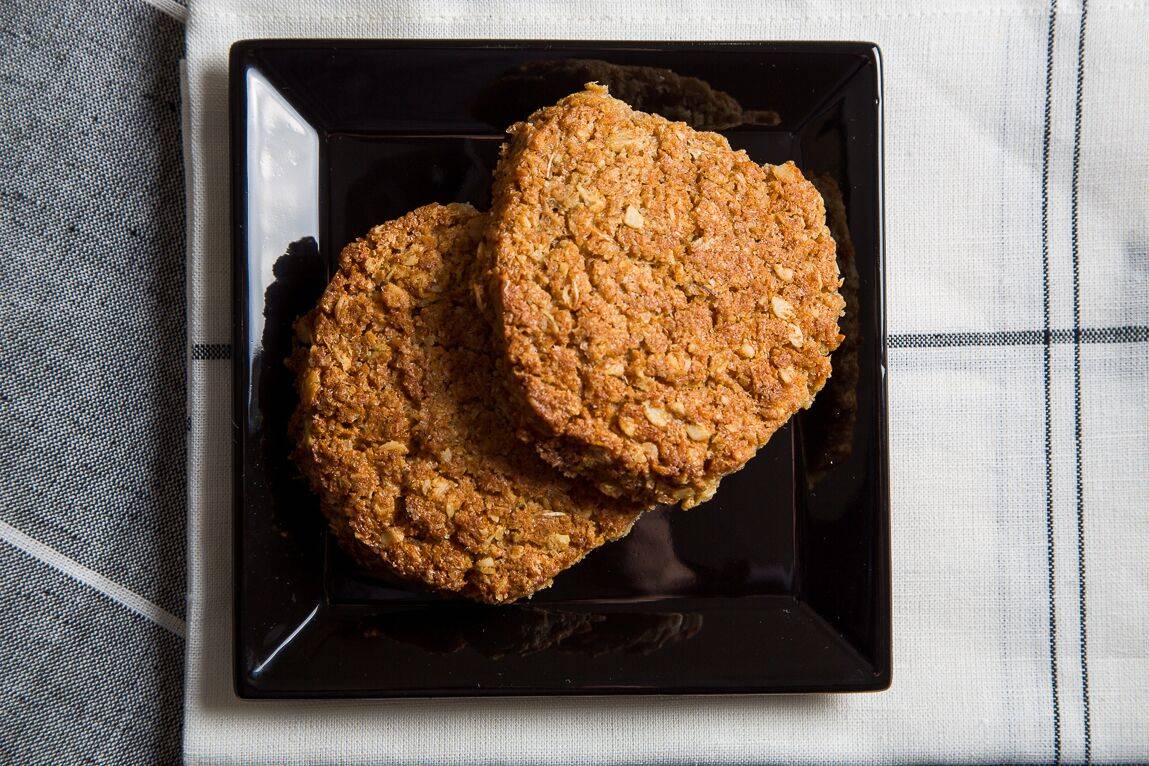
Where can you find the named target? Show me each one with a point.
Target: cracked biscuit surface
(398, 433)
(663, 304)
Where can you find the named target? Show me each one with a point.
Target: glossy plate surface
(779, 584)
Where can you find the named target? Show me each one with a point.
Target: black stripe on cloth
(1125, 334)
(1047, 339)
(202, 351)
(1074, 211)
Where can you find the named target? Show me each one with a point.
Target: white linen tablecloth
(1017, 198)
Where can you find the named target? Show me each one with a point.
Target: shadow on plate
(828, 428)
(520, 631)
(300, 277)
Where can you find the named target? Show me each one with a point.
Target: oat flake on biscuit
(663, 304)
(397, 432)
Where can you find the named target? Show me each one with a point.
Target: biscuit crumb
(656, 416)
(633, 218)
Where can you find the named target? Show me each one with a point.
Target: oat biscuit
(663, 304)
(398, 433)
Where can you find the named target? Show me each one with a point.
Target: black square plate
(781, 583)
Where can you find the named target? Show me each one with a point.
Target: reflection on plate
(535, 84)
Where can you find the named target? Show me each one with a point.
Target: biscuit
(398, 434)
(663, 304)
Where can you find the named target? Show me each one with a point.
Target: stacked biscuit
(485, 398)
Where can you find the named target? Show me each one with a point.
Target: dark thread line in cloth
(1047, 341)
(1074, 217)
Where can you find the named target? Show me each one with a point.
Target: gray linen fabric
(93, 361)
(85, 681)
(92, 379)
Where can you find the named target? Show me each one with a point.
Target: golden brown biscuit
(397, 432)
(663, 303)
